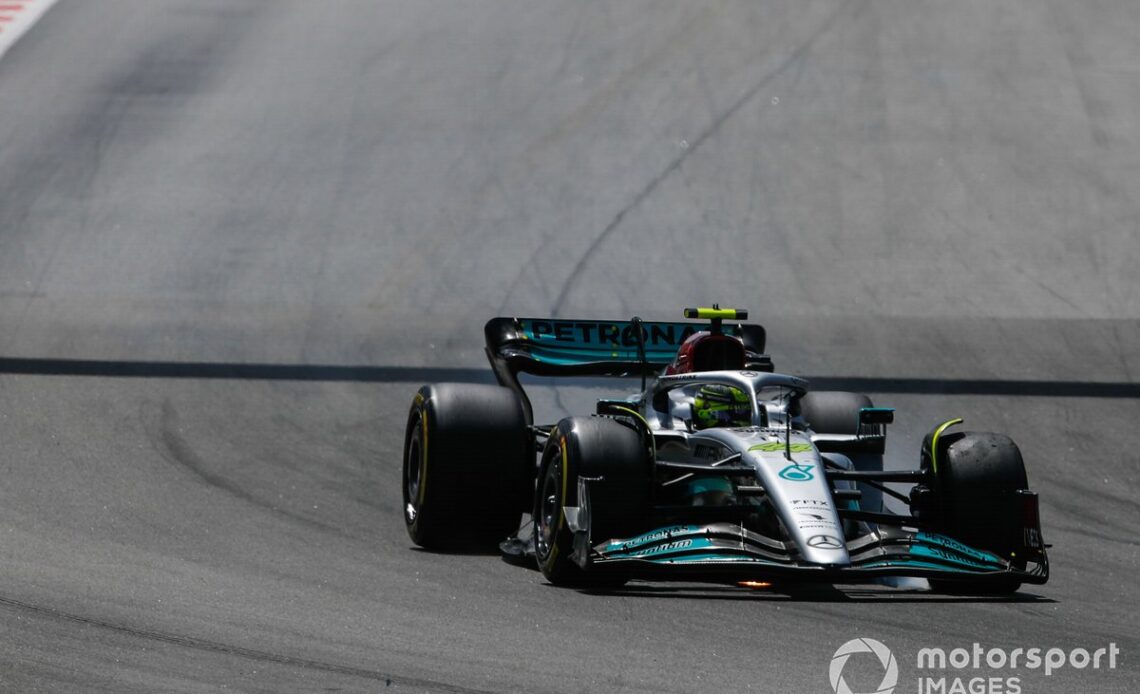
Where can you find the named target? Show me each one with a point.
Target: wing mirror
(876, 415)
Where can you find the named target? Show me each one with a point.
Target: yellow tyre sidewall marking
(550, 559)
(934, 442)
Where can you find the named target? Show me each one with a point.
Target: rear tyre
(837, 412)
(833, 412)
(978, 475)
(614, 456)
(468, 458)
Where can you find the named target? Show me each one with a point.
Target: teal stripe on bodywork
(658, 535)
(680, 545)
(706, 558)
(948, 557)
(569, 356)
(950, 543)
(904, 562)
(589, 342)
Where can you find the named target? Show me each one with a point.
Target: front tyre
(977, 479)
(614, 457)
(467, 463)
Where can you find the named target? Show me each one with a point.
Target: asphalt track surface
(236, 235)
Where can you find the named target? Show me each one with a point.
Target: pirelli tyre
(837, 412)
(468, 461)
(613, 456)
(833, 412)
(976, 479)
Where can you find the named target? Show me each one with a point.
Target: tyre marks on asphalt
(16, 17)
(794, 58)
(174, 447)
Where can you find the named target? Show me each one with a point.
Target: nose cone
(793, 474)
(826, 547)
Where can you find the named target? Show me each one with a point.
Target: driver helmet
(721, 405)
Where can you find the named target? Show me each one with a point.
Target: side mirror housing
(876, 415)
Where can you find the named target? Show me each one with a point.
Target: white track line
(17, 16)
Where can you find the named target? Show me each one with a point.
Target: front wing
(729, 552)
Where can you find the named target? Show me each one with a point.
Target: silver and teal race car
(717, 470)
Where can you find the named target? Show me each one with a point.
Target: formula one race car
(718, 470)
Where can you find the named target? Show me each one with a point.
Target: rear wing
(557, 347)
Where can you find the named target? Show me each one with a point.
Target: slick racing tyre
(833, 412)
(614, 458)
(837, 412)
(468, 459)
(977, 477)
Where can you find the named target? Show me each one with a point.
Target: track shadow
(411, 374)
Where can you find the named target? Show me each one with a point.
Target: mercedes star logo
(824, 542)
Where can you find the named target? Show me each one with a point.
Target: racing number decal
(777, 447)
